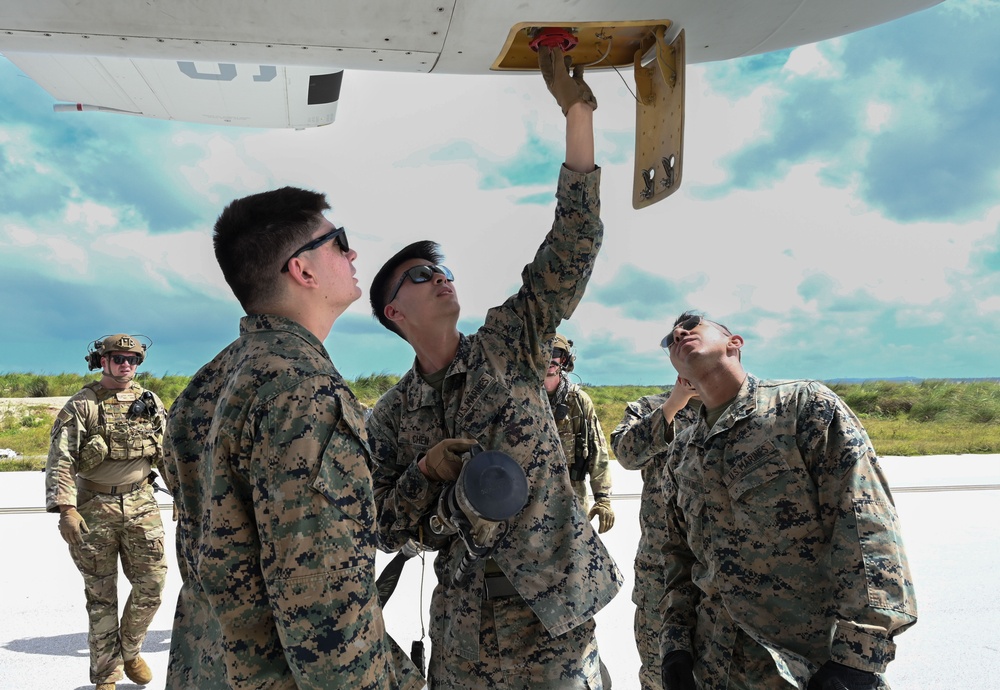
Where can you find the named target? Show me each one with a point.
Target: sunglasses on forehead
(421, 274)
(337, 234)
(687, 325)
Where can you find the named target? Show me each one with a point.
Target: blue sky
(840, 209)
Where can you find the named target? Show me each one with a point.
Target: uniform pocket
(344, 481)
(886, 569)
(691, 501)
(774, 503)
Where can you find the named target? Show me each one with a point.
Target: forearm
(641, 436)
(60, 475)
(600, 470)
(877, 601)
(580, 138)
(404, 501)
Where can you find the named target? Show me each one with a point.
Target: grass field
(925, 418)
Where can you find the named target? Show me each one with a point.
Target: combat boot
(138, 671)
(105, 686)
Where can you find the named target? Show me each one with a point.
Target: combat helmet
(561, 342)
(120, 342)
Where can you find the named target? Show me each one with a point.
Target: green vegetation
(903, 418)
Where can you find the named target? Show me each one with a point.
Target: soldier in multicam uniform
(782, 552)
(640, 442)
(267, 457)
(525, 617)
(581, 434)
(105, 442)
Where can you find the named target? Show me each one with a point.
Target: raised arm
(578, 105)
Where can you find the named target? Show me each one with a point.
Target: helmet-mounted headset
(120, 342)
(561, 342)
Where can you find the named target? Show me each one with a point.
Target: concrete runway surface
(949, 507)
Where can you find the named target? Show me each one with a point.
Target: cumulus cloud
(839, 209)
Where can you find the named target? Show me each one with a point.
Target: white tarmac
(948, 506)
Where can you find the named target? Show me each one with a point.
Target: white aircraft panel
(250, 95)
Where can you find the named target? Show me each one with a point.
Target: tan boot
(138, 671)
(105, 686)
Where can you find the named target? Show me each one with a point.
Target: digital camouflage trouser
(646, 595)
(517, 653)
(128, 527)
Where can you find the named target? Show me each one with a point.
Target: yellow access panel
(659, 79)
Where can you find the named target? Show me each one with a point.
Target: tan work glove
(567, 90)
(602, 509)
(442, 462)
(72, 526)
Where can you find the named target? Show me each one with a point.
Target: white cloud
(90, 217)
(406, 161)
(815, 60)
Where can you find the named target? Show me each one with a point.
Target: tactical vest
(127, 438)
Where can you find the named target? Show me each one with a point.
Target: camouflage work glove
(567, 90)
(443, 461)
(72, 526)
(677, 672)
(602, 509)
(92, 453)
(834, 676)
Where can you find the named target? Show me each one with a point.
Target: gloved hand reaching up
(566, 89)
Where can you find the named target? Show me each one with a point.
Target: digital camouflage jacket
(267, 458)
(781, 524)
(640, 442)
(493, 393)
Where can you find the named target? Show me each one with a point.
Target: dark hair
(382, 282)
(254, 235)
(689, 313)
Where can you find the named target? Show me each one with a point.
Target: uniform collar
(258, 323)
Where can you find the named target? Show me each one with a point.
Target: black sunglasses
(421, 274)
(687, 325)
(338, 234)
(121, 359)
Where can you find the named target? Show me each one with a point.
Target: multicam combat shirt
(493, 393)
(781, 525)
(581, 422)
(79, 421)
(267, 458)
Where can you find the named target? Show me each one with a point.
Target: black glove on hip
(834, 676)
(677, 672)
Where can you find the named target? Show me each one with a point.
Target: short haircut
(254, 236)
(688, 314)
(382, 285)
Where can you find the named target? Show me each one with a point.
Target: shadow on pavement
(75, 645)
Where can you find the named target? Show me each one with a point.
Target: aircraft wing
(258, 63)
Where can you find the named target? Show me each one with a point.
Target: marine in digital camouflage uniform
(550, 574)
(640, 442)
(783, 556)
(581, 434)
(268, 459)
(104, 444)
